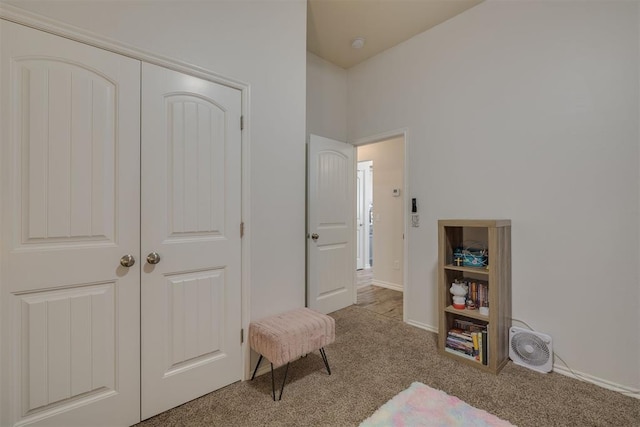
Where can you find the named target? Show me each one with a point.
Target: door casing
(365, 170)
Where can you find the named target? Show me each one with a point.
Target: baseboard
(627, 391)
(422, 326)
(563, 370)
(264, 368)
(393, 286)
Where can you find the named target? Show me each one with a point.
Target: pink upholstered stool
(287, 336)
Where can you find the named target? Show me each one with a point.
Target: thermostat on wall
(396, 192)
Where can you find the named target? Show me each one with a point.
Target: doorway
(380, 221)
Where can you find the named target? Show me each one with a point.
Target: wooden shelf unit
(496, 235)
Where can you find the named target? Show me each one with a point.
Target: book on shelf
(460, 353)
(459, 333)
(476, 345)
(467, 325)
(485, 347)
(469, 339)
(465, 351)
(460, 342)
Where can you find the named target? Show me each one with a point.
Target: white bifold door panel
(70, 313)
(331, 252)
(87, 339)
(191, 218)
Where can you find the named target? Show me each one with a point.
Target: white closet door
(191, 174)
(69, 211)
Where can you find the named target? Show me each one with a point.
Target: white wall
(326, 99)
(388, 225)
(528, 111)
(261, 43)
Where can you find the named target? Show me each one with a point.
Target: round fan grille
(530, 348)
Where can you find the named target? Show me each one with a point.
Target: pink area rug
(421, 405)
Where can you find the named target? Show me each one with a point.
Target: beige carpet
(373, 359)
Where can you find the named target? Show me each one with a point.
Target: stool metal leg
(256, 370)
(325, 360)
(283, 381)
(273, 385)
(286, 371)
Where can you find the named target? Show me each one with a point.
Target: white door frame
(404, 133)
(33, 20)
(368, 183)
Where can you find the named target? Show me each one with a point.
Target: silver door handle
(127, 260)
(153, 258)
(315, 236)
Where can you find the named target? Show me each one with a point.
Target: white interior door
(330, 233)
(191, 218)
(69, 185)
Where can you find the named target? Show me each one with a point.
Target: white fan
(530, 349)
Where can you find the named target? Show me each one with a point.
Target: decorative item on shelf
(477, 292)
(484, 309)
(459, 292)
(472, 254)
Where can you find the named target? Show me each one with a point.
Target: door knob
(153, 258)
(127, 261)
(315, 236)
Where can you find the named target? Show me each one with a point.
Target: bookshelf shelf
(473, 314)
(494, 235)
(475, 270)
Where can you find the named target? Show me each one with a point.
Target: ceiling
(332, 25)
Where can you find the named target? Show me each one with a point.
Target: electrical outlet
(415, 220)
(396, 265)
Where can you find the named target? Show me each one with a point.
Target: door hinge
(241, 336)
(242, 229)
(241, 122)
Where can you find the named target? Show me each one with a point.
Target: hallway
(386, 302)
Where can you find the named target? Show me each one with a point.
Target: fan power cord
(631, 393)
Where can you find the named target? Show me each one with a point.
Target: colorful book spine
(459, 333)
(476, 346)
